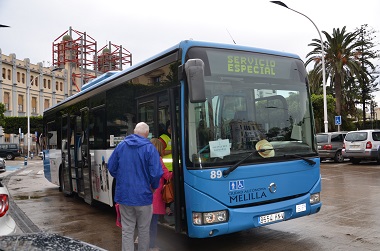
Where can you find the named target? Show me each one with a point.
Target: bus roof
(184, 45)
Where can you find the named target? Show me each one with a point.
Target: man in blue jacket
(135, 164)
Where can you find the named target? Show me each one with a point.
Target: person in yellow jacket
(166, 140)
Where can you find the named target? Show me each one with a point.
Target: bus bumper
(251, 217)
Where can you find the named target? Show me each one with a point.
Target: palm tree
(315, 82)
(341, 59)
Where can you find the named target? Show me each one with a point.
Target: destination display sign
(250, 64)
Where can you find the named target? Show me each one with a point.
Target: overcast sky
(146, 27)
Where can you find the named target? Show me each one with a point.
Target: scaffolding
(73, 50)
(112, 57)
(77, 52)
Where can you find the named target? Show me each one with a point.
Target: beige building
(79, 62)
(47, 88)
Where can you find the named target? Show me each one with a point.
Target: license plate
(271, 218)
(319, 147)
(355, 146)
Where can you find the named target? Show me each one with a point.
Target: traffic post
(338, 121)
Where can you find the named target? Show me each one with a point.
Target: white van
(362, 145)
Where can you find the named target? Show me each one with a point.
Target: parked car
(362, 145)
(330, 145)
(7, 224)
(9, 151)
(2, 165)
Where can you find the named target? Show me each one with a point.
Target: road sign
(338, 120)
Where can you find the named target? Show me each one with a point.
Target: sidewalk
(26, 185)
(16, 170)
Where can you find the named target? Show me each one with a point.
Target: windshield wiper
(309, 161)
(232, 168)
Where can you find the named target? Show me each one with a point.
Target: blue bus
(244, 153)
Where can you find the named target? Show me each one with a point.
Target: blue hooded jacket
(135, 164)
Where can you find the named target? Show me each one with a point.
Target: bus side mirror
(194, 69)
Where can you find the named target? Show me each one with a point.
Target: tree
(317, 102)
(12, 124)
(366, 53)
(2, 110)
(351, 96)
(315, 82)
(341, 59)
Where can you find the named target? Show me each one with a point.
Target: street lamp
(28, 105)
(326, 123)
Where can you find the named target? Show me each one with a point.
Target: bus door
(72, 153)
(86, 157)
(82, 160)
(65, 174)
(158, 111)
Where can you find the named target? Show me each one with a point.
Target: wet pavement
(44, 217)
(43, 241)
(348, 219)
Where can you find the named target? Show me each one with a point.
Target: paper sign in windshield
(219, 148)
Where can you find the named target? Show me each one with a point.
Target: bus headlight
(210, 217)
(314, 198)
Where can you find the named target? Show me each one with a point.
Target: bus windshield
(253, 101)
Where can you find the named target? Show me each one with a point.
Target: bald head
(142, 129)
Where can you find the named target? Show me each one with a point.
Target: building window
(23, 78)
(156, 79)
(56, 85)
(18, 77)
(20, 103)
(3, 73)
(49, 84)
(60, 86)
(34, 79)
(44, 83)
(6, 100)
(46, 104)
(34, 105)
(9, 74)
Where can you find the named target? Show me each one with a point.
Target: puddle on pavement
(26, 197)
